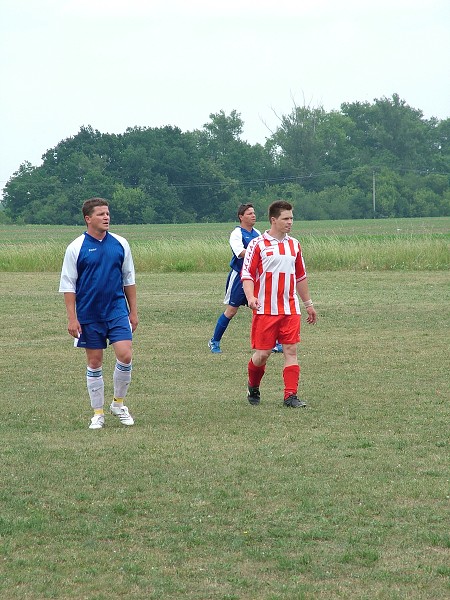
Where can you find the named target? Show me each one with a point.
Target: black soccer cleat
(293, 401)
(253, 395)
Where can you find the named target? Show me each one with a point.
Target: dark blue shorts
(95, 335)
(234, 292)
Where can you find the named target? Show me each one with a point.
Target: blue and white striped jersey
(239, 240)
(97, 271)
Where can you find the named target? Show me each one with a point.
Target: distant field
(22, 234)
(389, 244)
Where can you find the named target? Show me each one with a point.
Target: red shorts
(268, 329)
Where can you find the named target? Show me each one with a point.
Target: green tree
(28, 192)
(440, 145)
(312, 146)
(128, 205)
(322, 161)
(389, 133)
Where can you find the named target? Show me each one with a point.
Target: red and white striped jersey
(275, 267)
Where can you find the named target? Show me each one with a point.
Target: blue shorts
(94, 335)
(234, 292)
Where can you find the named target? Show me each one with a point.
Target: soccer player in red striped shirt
(272, 275)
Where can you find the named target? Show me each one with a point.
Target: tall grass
(200, 256)
(32, 257)
(324, 253)
(156, 250)
(418, 253)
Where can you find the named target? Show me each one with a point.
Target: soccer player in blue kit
(98, 282)
(234, 293)
(240, 238)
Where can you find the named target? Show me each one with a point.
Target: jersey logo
(92, 249)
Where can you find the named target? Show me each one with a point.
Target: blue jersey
(97, 271)
(239, 240)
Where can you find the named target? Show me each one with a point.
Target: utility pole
(373, 193)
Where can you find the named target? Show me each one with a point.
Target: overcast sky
(114, 64)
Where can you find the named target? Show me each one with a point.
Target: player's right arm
(67, 285)
(73, 326)
(249, 291)
(236, 243)
(248, 274)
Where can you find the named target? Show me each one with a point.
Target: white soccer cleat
(97, 422)
(123, 413)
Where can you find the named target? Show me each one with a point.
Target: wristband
(308, 303)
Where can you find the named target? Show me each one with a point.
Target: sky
(114, 64)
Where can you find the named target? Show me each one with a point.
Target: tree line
(380, 159)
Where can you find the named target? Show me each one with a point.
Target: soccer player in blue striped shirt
(98, 282)
(240, 238)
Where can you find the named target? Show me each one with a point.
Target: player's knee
(125, 358)
(262, 356)
(290, 350)
(230, 311)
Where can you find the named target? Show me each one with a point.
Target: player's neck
(98, 235)
(278, 235)
(247, 224)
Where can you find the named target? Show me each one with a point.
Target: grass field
(208, 497)
(20, 234)
(387, 244)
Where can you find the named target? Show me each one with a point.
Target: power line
(292, 178)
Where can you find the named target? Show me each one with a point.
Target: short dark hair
(89, 205)
(242, 208)
(277, 207)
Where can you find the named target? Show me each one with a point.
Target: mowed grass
(207, 497)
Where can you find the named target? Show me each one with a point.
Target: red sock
(291, 376)
(255, 374)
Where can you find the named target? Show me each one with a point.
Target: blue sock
(222, 324)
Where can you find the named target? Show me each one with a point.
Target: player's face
(282, 225)
(98, 221)
(248, 219)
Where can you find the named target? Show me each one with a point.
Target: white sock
(96, 387)
(121, 379)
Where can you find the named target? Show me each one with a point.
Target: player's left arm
(303, 292)
(130, 294)
(129, 284)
